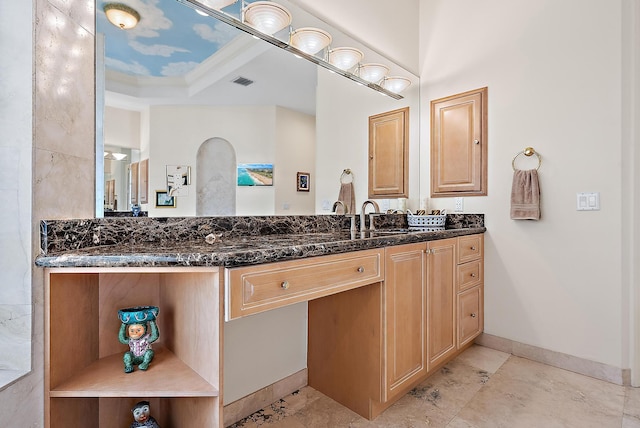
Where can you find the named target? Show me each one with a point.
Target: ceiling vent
(242, 81)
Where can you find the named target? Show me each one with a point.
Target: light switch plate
(588, 201)
(459, 205)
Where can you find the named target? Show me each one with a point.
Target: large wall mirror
(189, 91)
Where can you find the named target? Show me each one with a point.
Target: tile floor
(481, 388)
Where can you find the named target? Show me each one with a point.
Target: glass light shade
(121, 15)
(310, 40)
(345, 58)
(267, 17)
(373, 72)
(396, 84)
(217, 4)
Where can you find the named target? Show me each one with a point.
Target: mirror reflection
(185, 90)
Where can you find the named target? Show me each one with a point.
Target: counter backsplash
(65, 235)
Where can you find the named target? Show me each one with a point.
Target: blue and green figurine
(138, 330)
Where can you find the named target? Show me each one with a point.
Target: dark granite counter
(226, 241)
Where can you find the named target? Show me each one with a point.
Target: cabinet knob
(285, 285)
(473, 248)
(473, 315)
(476, 141)
(360, 269)
(473, 275)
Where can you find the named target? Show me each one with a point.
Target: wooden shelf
(167, 376)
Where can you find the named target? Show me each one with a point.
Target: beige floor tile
(483, 358)
(482, 388)
(632, 402)
(524, 393)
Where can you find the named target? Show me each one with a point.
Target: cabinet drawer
(469, 275)
(470, 315)
(470, 248)
(254, 289)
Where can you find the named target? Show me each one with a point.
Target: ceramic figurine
(134, 331)
(141, 416)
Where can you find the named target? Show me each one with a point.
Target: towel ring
(346, 172)
(529, 151)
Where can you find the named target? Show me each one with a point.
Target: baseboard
(243, 407)
(557, 359)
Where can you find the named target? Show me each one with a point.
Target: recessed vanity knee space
(384, 310)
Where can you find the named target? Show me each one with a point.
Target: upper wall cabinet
(389, 154)
(459, 144)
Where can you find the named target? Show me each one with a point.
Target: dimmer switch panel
(588, 201)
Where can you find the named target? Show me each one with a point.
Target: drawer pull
(473, 275)
(285, 285)
(473, 315)
(361, 269)
(473, 248)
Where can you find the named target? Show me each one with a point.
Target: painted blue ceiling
(171, 39)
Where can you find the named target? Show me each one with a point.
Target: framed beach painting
(255, 174)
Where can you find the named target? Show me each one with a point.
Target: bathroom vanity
(385, 308)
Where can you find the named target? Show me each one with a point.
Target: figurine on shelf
(134, 332)
(141, 416)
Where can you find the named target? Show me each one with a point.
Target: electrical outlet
(459, 205)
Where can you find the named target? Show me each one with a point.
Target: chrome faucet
(345, 208)
(363, 219)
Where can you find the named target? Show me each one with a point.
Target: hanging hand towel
(348, 196)
(525, 195)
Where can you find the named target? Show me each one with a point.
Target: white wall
(176, 133)
(295, 152)
(554, 78)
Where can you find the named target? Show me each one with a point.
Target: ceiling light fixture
(345, 58)
(310, 40)
(267, 17)
(121, 15)
(396, 84)
(372, 72)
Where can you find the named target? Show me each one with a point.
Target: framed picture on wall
(178, 180)
(255, 174)
(304, 181)
(163, 200)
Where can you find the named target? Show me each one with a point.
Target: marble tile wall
(47, 159)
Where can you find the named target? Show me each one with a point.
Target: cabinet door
(389, 154)
(470, 315)
(405, 296)
(441, 301)
(459, 144)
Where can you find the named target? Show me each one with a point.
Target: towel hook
(346, 172)
(529, 151)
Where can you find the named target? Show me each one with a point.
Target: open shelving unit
(85, 383)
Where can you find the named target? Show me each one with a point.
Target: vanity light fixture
(310, 40)
(345, 58)
(373, 72)
(266, 16)
(396, 84)
(297, 46)
(121, 15)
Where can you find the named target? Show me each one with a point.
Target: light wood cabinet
(459, 144)
(405, 317)
(254, 289)
(85, 383)
(441, 301)
(389, 154)
(470, 288)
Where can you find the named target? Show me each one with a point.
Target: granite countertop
(225, 241)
